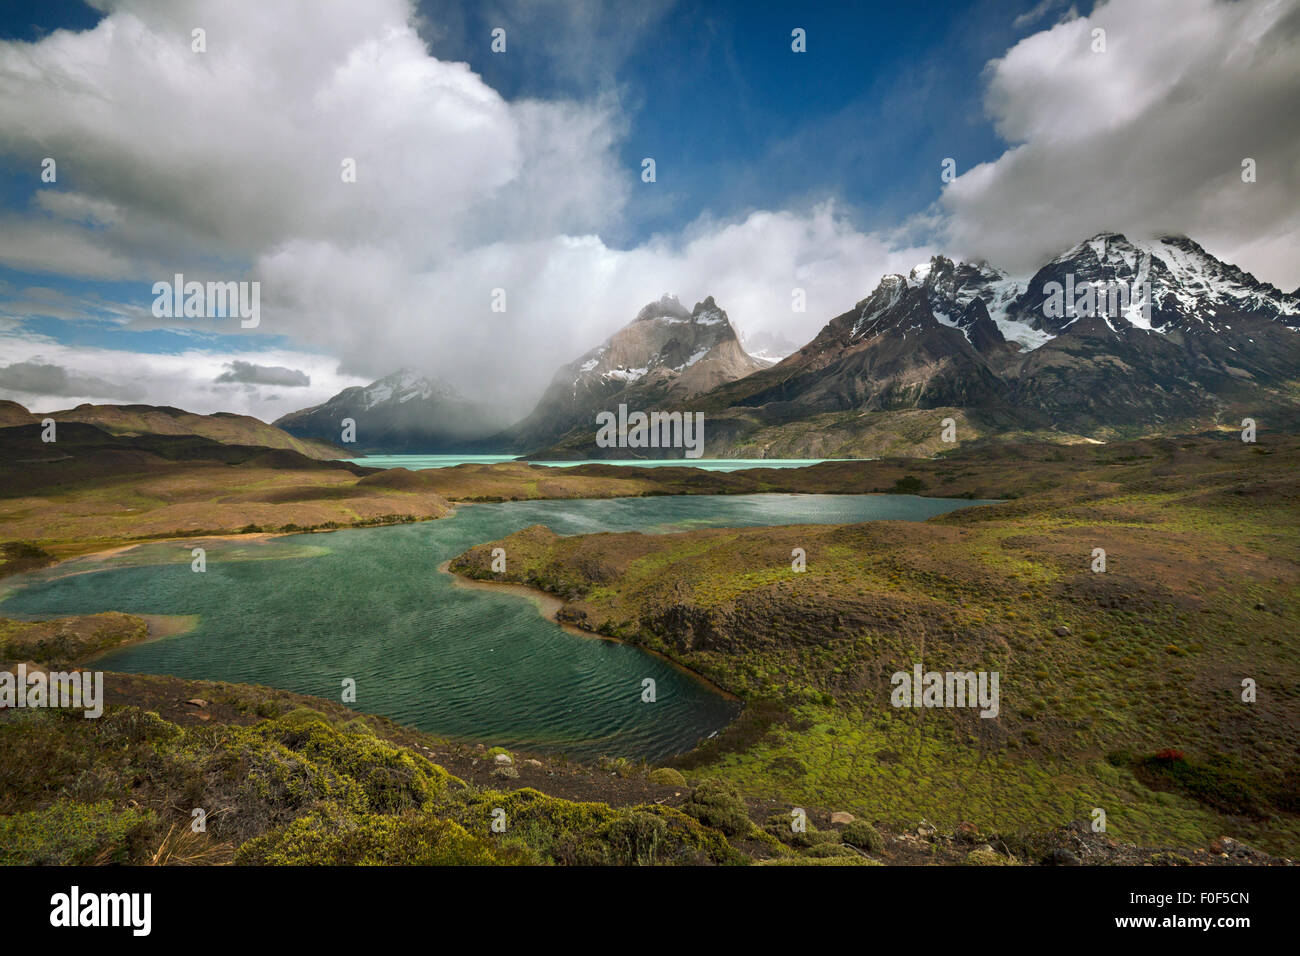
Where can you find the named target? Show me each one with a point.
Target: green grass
(1202, 589)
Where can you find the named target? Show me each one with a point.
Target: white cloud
(226, 164)
(1145, 138)
(566, 293)
(46, 376)
(173, 161)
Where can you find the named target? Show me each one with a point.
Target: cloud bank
(1146, 137)
(229, 164)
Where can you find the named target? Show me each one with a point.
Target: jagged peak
(707, 312)
(1099, 245)
(667, 306)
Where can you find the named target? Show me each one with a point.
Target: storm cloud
(250, 374)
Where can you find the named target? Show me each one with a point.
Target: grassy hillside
(91, 490)
(284, 779)
(1119, 690)
(776, 430)
(225, 427)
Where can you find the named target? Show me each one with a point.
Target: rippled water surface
(304, 612)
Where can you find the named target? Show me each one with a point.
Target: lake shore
(548, 606)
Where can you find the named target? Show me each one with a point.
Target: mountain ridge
(1192, 339)
(228, 428)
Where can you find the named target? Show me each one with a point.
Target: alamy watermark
(212, 300)
(78, 690)
(947, 689)
(651, 430)
(1107, 299)
(75, 908)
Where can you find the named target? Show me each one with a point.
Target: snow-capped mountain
(667, 354)
(665, 340)
(1173, 336)
(955, 288)
(401, 412)
(890, 351)
(1189, 338)
(1172, 284)
(404, 385)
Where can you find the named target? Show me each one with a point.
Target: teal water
(303, 612)
(420, 462)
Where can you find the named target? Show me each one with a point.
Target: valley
(1099, 672)
(1087, 519)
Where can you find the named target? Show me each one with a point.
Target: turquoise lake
(421, 462)
(304, 612)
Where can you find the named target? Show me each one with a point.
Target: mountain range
(1170, 337)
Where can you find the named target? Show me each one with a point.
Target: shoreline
(157, 627)
(222, 536)
(548, 605)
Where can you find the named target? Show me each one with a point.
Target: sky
(500, 222)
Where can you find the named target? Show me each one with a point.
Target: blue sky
(774, 170)
(736, 121)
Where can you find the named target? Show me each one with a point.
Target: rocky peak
(402, 386)
(1169, 283)
(667, 307)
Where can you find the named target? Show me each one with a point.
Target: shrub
(135, 726)
(635, 838)
(907, 485)
(393, 779)
(1222, 782)
(69, 833)
(863, 836)
(333, 836)
(718, 805)
(987, 856)
(831, 849)
(667, 777)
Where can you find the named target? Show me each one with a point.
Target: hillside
(92, 490)
(305, 781)
(1101, 673)
(134, 420)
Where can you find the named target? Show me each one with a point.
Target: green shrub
(719, 805)
(135, 726)
(667, 777)
(806, 860)
(1223, 781)
(863, 836)
(831, 849)
(393, 779)
(907, 485)
(333, 836)
(986, 856)
(635, 838)
(70, 833)
(779, 826)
